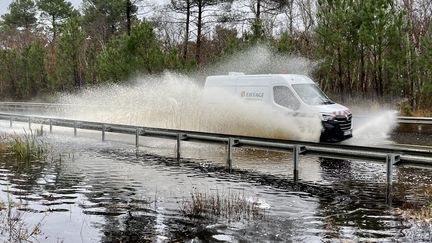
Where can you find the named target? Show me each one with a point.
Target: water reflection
(121, 195)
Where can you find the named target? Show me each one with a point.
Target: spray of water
(373, 127)
(260, 59)
(176, 101)
(179, 102)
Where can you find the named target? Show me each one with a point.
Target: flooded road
(90, 191)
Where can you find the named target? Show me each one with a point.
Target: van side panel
(254, 89)
(226, 83)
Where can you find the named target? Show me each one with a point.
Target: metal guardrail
(388, 155)
(27, 107)
(415, 120)
(30, 105)
(44, 107)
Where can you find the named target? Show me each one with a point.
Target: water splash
(261, 59)
(177, 102)
(374, 128)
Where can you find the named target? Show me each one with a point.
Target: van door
(284, 98)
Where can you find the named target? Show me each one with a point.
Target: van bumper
(332, 132)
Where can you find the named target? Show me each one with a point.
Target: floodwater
(93, 191)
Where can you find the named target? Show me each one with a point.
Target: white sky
(5, 3)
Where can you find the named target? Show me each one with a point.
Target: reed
(232, 206)
(27, 147)
(422, 210)
(421, 213)
(3, 143)
(12, 225)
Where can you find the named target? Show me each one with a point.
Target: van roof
(291, 78)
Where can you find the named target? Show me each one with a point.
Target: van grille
(345, 122)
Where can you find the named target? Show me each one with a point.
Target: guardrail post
(41, 130)
(50, 125)
(10, 121)
(296, 158)
(178, 147)
(389, 197)
(29, 123)
(137, 133)
(75, 132)
(390, 161)
(103, 132)
(229, 154)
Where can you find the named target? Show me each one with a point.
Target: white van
(292, 93)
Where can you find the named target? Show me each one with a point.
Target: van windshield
(311, 94)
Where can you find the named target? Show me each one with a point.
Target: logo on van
(252, 94)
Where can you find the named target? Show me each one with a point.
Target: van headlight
(327, 116)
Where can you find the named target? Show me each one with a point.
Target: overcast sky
(5, 3)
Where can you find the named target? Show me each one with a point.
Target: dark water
(89, 191)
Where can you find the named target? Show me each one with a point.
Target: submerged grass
(231, 206)
(422, 213)
(419, 211)
(26, 148)
(12, 225)
(3, 143)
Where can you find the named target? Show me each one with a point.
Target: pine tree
(56, 11)
(128, 55)
(425, 63)
(32, 69)
(22, 14)
(69, 73)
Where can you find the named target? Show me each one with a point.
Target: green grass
(27, 147)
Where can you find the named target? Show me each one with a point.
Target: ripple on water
(110, 194)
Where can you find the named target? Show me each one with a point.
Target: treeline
(369, 48)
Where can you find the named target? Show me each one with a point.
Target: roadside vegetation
(12, 225)
(422, 213)
(23, 151)
(419, 211)
(372, 49)
(231, 206)
(27, 147)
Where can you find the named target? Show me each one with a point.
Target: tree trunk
(349, 79)
(291, 17)
(340, 74)
(54, 28)
(258, 20)
(77, 80)
(186, 38)
(362, 72)
(199, 29)
(128, 16)
(380, 75)
(375, 73)
(258, 11)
